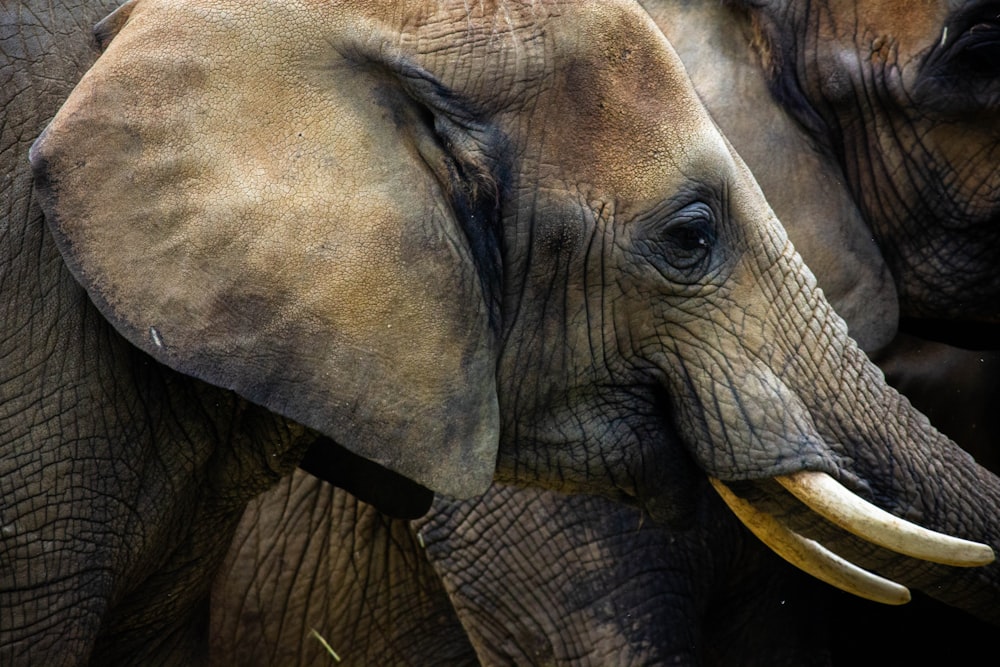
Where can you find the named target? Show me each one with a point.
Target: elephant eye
(686, 240)
(961, 73)
(979, 48)
(976, 48)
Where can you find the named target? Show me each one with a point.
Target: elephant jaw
(829, 499)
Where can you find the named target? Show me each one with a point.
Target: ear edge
(108, 27)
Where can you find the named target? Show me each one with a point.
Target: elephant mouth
(836, 504)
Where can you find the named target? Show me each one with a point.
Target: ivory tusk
(810, 556)
(831, 500)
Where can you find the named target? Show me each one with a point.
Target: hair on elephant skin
(400, 229)
(541, 579)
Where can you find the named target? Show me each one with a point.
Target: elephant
(578, 580)
(907, 114)
(121, 480)
(905, 104)
(256, 236)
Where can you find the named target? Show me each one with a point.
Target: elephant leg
(310, 557)
(542, 578)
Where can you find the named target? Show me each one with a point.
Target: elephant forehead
(630, 122)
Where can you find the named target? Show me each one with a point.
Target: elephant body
(907, 113)
(528, 577)
(337, 566)
(516, 576)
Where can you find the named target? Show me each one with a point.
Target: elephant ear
(255, 209)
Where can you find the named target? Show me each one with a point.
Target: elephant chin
(836, 504)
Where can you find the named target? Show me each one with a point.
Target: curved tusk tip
(830, 499)
(811, 556)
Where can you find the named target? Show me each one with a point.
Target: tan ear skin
(295, 230)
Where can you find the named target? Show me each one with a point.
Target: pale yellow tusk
(830, 499)
(810, 556)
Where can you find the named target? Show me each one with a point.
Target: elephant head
(904, 96)
(803, 186)
(474, 241)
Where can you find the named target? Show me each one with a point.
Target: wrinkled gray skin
(957, 389)
(336, 565)
(517, 576)
(907, 108)
(541, 579)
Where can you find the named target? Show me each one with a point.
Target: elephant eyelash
(681, 245)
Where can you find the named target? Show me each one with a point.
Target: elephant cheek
(621, 445)
(740, 420)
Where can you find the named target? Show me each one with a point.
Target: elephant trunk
(935, 484)
(804, 397)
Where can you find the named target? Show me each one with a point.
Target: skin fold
(579, 581)
(195, 278)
